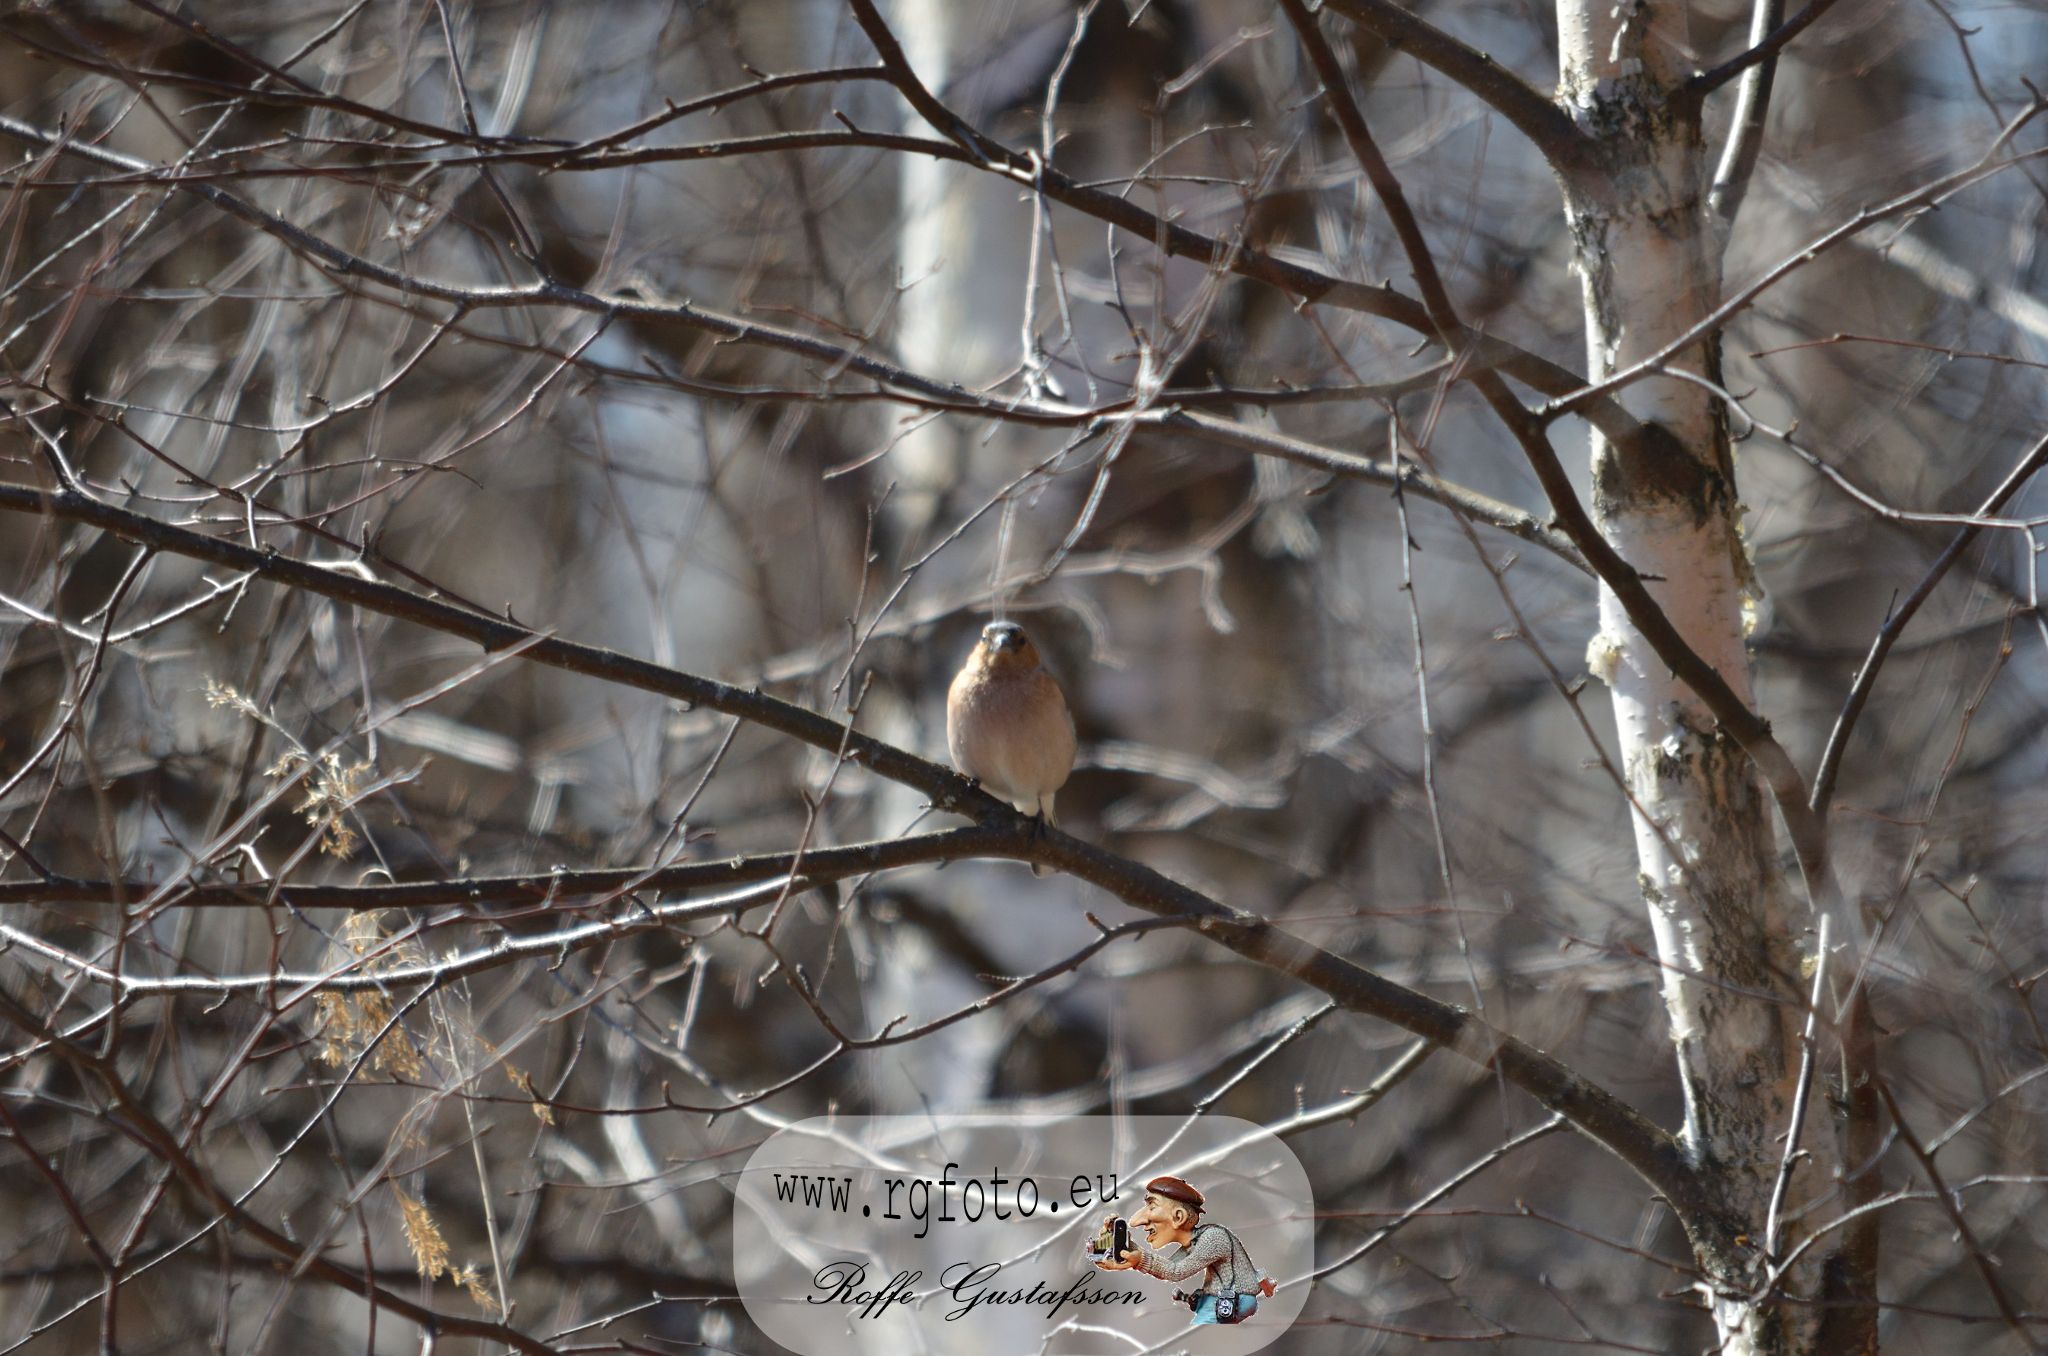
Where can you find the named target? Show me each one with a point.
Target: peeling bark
(1719, 907)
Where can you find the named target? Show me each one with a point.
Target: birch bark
(1718, 903)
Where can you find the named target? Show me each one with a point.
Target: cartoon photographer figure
(1168, 1240)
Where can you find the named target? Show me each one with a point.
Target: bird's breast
(1010, 732)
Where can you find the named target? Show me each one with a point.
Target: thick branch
(1748, 729)
(1350, 120)
(1535, 117)
(1646, 1148)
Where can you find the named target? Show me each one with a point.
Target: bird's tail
(1052, 822)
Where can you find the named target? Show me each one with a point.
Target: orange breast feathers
(1007, 724)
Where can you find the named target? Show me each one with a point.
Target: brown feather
(1008, 727)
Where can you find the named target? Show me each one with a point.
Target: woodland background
(1238, 637)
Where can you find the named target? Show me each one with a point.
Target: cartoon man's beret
(1173, 1189)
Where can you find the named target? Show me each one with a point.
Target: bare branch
(1746, 128)
(1895, 625)
(1765, 45)
(166, 1147)
(1528, 112)
(1644, 1147)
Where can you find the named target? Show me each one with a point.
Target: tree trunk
(1718, 903)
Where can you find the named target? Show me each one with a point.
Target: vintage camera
(1113, 1242)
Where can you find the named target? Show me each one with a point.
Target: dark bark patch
(1657, 468)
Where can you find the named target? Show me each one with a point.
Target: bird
(1007, 723)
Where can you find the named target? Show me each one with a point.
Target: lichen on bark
(1718, 906)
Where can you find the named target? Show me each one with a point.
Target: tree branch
(1746, 128)
(1763, 50)
(1894, 625)
(1929, 195)
(1748, 729)
(1482, 351)
(151, 1133)
(1350, 120)
(1528, 112)
(1646, 1148)
(913, 387)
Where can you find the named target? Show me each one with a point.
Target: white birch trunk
(1717, 902)
(934, 256)
(933, 327)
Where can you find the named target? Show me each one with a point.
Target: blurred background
(1233, 635)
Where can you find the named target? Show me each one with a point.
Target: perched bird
(1007, 724)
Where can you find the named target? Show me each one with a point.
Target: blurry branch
(140, 1125)
(1746, 727)
(292, 92)
(1526, 109)
(1752, 115)
(948, 789)
(1788, 788)
(1531, 431)
(1441, 1190)
(1924, 261)
(289, 91)
(523, 240)
(1481, 352)
(1352, 1105)
(1654, 1154)
(906, 386)
(1537, 118)
(1887, 512)
(1190, 1069)
(1032, 172)
(1407, 477)
(1951, 1205)
(1895, 624)
(1927, 197)
(1350, 120)
(893, 1032)
(1175, 239)
(71, 723)
(937, 395)
(102, 1261)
